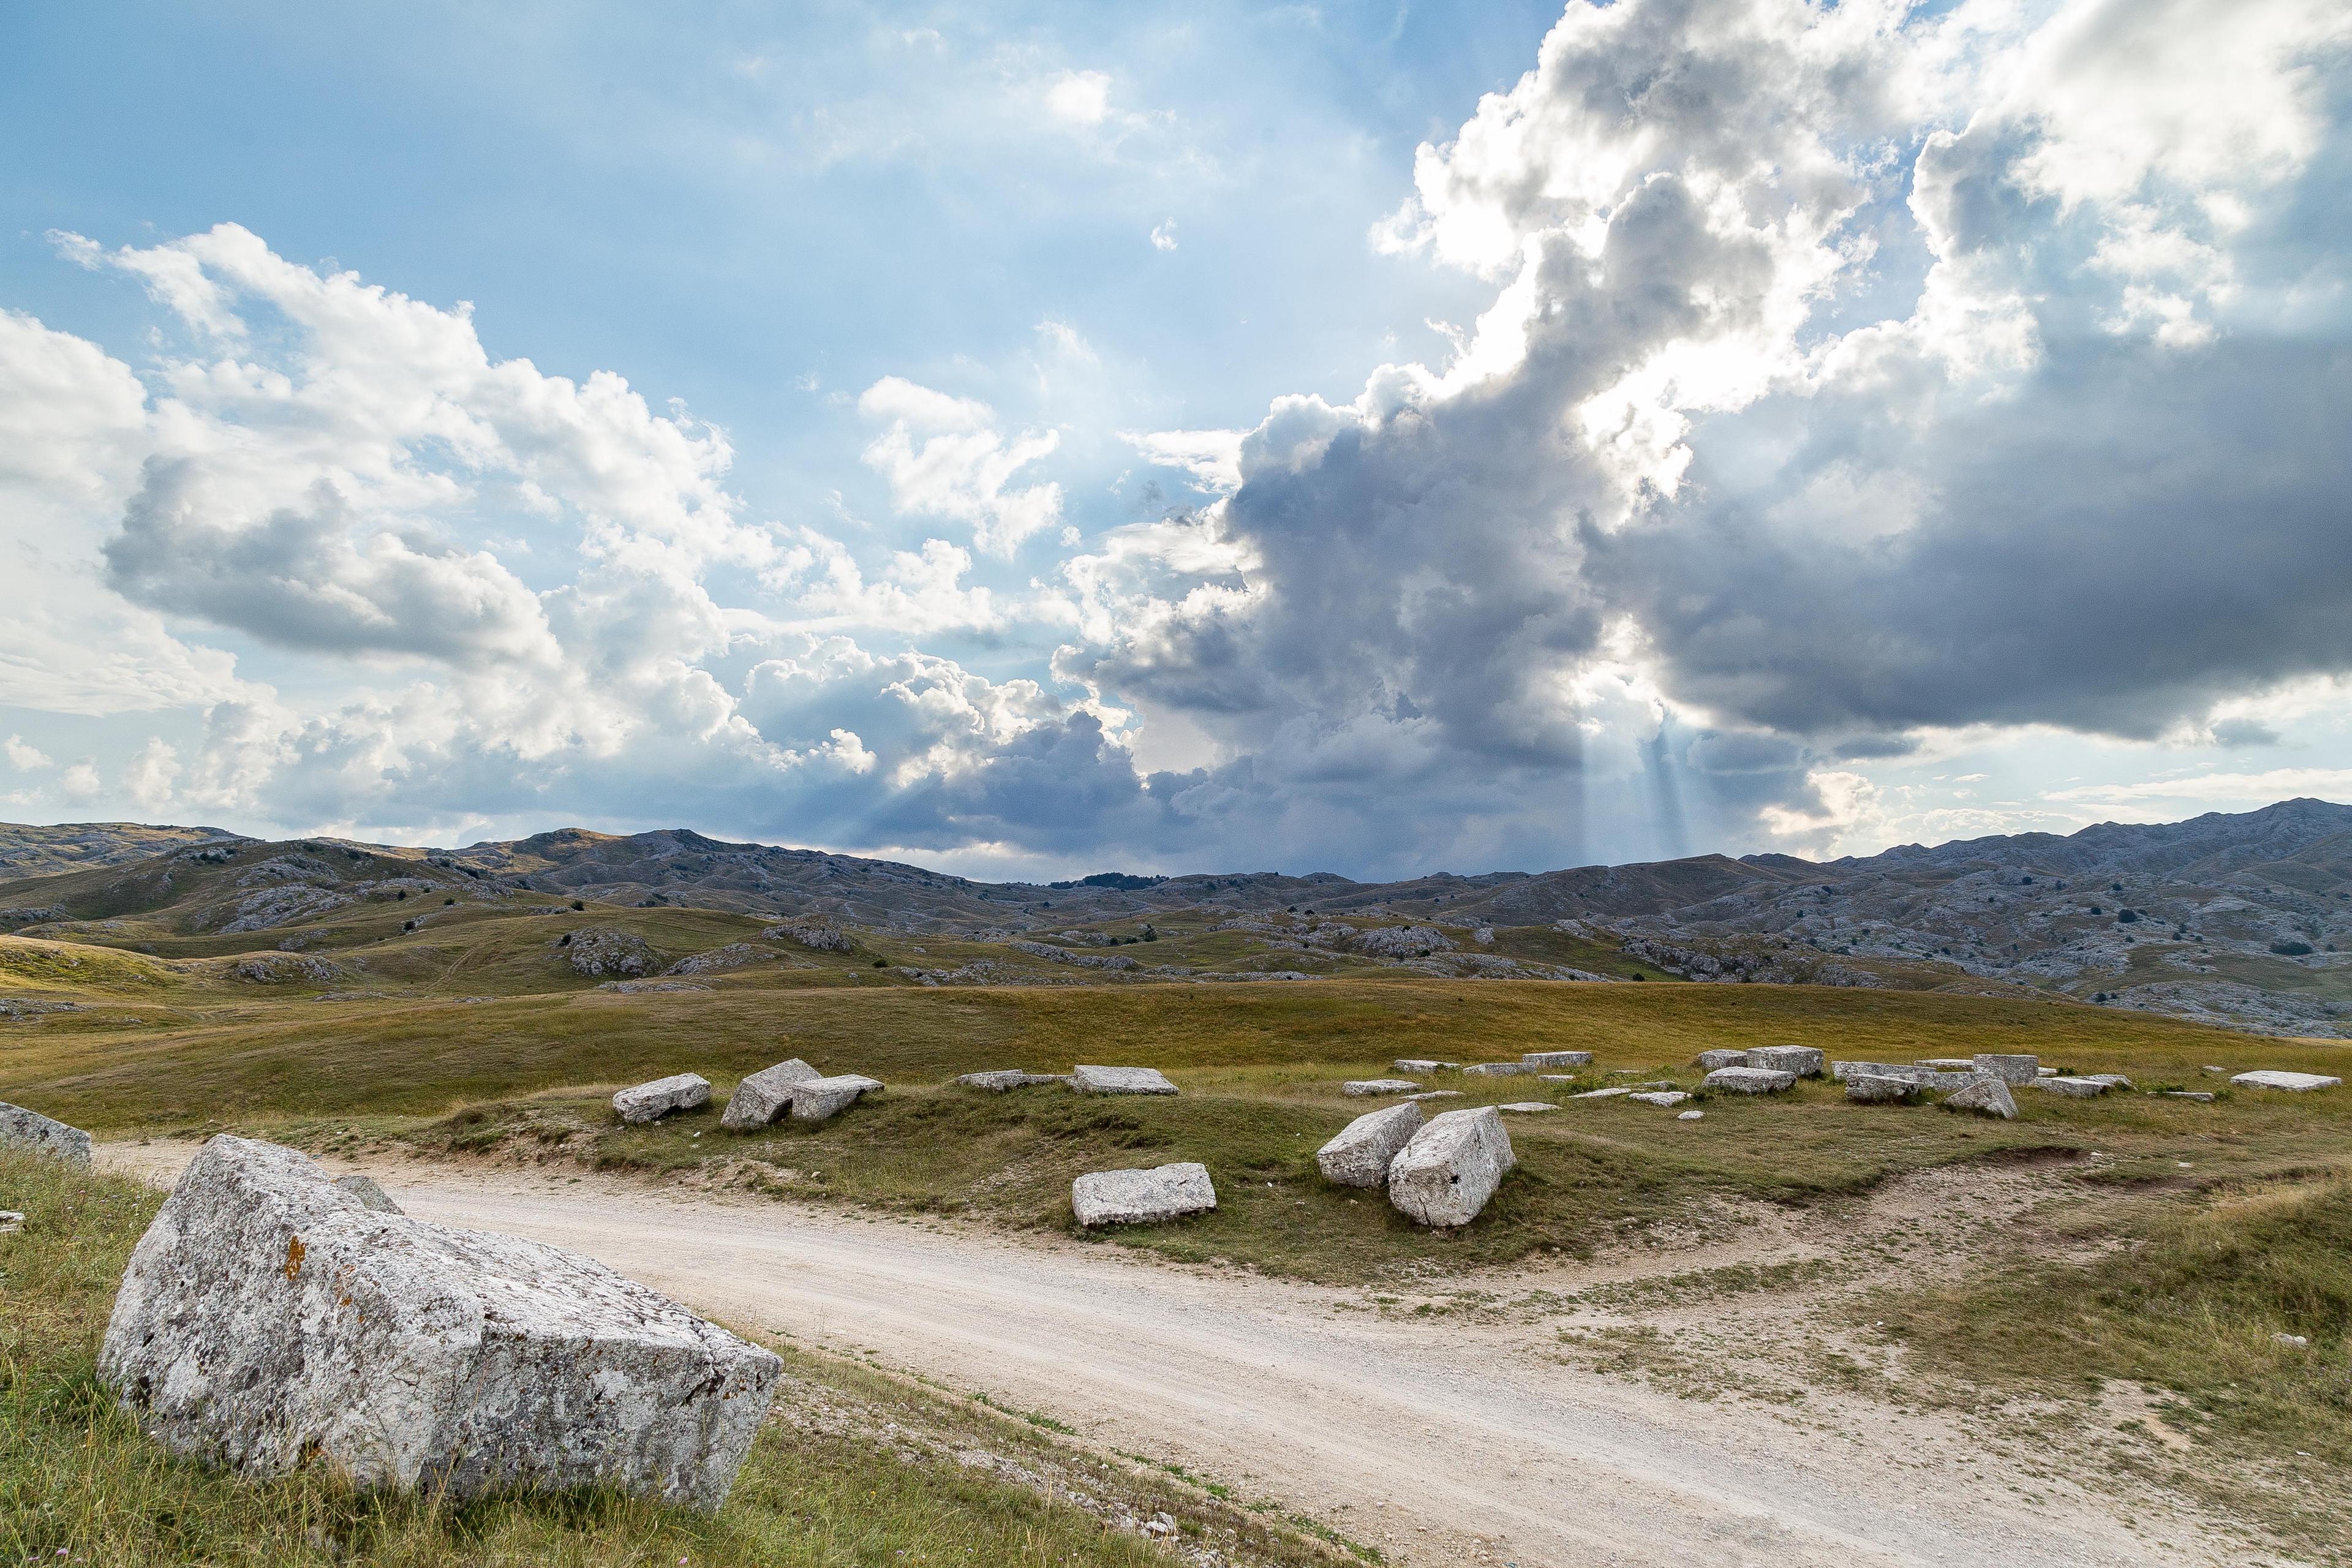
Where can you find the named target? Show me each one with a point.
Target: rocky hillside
(26, 851)
(2238, 920)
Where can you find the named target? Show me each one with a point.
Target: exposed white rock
(1363, 1086)
(1604, 1093)
(1004, 1079)
(1710, 1060)
(30, 1132)
(269, 1321)
(371, 1196)
(2073, 1088)
(765, 1095)
(1877, 1089)
(1692, 1116)
(1666, 1096)
(1360, 1155)
(1429, 1094)
(11, 1220)
(1121, 1081)
(2009, 1067)
(2294, 1082)
(651, 1101)
(823, 1099)
(1925, 1078)
(1988, 1096)
(596, 951)
(1423, 1065)
(1140, 1198)
(1451, 1167)
(1950, 1064)
(2112, 1080)
(1748, 1080)
(1803, 1061)
(2202, 1097)
(1527, 1106)
(1557, 1059)
(1497, 1069)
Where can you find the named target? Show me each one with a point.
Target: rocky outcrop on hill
(596, 951)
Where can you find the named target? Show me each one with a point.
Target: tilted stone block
(268, 1321)
(371, 1196)
(765, 1095)
(651, 1101)
(29, 1132)
(1360, 1155)
(1452, 1166)
(823, 1099)
(1989, 1096)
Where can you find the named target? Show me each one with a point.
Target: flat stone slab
(1925, 1078)
(1360, 1155)
(1748, 1080)
(2010, 1068)
(1988, 1096)
(1452, 1166)
(1667, 1097)
(651, 1101)
(1710, 1060)
(268, 1322)
(2112, 1080)
(1498, 1069)
(2293, 1083)
(1950, 1064)
(1426, 1095)
(1423, 1065)
(1692, 1116)
(1003, 1080)
(1121, 1081)
(371, 1196)
(1143, 1197)
(2202, 1097)
(1805, 1061)
(823, 1099)
(1362, 1085)
(1557, 1059)
(1604, 1093)
(1877, 1089)
(1527, 1106)
(2073, 1088)
(764, 1095)
(30, 1132)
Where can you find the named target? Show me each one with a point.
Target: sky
(1380, 438)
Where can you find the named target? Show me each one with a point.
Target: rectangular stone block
(1748, 1080)
(1804, 1061)
(1710, 1060)
(1452, 1166)
(2293, 1083)
(29, 1132)
(1143, 1197)
(1360, 1155)
(764, 1095)
(823, 1099)
(2009, 1067)
(1368, 1086)
(650, 1101)
(1557, 1059)
(1121, 1081)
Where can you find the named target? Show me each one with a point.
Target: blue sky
(1176, 438)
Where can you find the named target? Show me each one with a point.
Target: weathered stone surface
(651, 1101)
(1527, 1106)
(1139, 1197)
(1360, 1155)
(823, 1099)
(1710, 1060)
(1804, 1061)
(2010, 1068)
(1121, 1081)
(2294, 1082)
(1497, 1069)
(1452, 1166)
(29, 1132)
(2202, 1097)
(595, 952)
(1557, 1059)
(1950, 1064)
(1363, 1086)
(10, 1220)
(1877, 1089)
(1988, 1096)
(765, 1095)
(1423, 1065)
(1925, 1078)
(1604, 1093)
(1748, 1080)
(1692, 1116)
(2073, 1088)
(1667, 1097)
(1004, 1079)
(372, 1197)
(269, 1321)
(1429, 1094)
(2112, 1080)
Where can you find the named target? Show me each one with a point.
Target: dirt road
(1440, 1442)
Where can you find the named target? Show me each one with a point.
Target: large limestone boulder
(2011, 1068)
(1878, 1089)
(1748, 1080)
(1710, 1060)
(1360, 1155)
(1445, 1175)
(765, 1095)
(653, 1100)
(1989, 1096)
(1120, 1080)
(2274, 1078)
(1557, 1059)
(1140, 1198)
(823, 1099)
(29, 1132)
(1366, 1086)
(1803, 1061)
(270, 1320)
